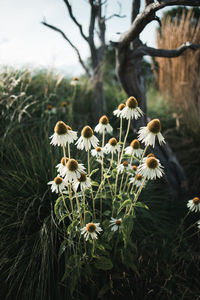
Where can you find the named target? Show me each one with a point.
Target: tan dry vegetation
(179, 78)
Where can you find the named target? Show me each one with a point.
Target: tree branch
(71, 44)
(148, 15)
(135, 9)
(75, 20)
(144, 50)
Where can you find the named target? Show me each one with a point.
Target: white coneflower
(73, 170)
(115, 224)
(118, 111)
(104, 125)
(198, 224)
(91, 230)
(112, 146)
(151, 168)
(194, 204)
(123, 166)
(57, 185)
(137, 180)
(87, 139)
(98, 152)
(61, 167)
(63, 134)
(148, 133)
(74, 81)
(131, 110)
(134, 149)
(83, 181)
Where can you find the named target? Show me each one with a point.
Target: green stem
(68, 145)
(79, 209)
(137, 195)
(63, 198)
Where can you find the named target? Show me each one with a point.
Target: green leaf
(127, 227)
(93, 172)
(141, 204)
(57, 207)
(124, 204)
(95, 183)
(103, 263)
(107, 213)
(62, 248)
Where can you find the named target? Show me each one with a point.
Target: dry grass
(179, 78)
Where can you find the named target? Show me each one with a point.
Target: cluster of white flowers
(130, 162)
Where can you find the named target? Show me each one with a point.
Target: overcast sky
(24, 41)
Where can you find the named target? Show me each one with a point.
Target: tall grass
(178, 78)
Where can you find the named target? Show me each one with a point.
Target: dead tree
(97, 24)
(129, 54)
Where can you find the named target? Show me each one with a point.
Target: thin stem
(124, 144)
(120, 189)
(104, 177)
(127, 177)
(68, 145)
(79, 209)
(69, 186)
(125, 139)
(84, 213)
(64, 154)
(136, 196)
(88, 162)
(63, 198)
(143, 154)
(120, 136)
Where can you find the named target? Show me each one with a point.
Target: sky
(25, 42)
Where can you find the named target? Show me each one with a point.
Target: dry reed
(179, 78)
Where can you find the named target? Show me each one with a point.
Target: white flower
(137, 180)
(63, 134)
(98, 152)
(87, 139)
(91, 230)
(118, 111)
(194, 204)
(124, 166)
(198, 224)
(148, 133)
(57, 185)
(151, 168)
(73, 170)
(131, 110)
(134, 149)
(112, 146)
(115, 224)
(74, 81)
(104, 125)
(83, 181)
(61, 167)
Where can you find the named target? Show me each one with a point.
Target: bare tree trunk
(99, 97)
(131, 77)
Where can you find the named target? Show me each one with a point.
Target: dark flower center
(135, 144)
(154, 126)
(87, 132)
(58, 180)
(60, 128)
(112, 141)
(151, 162)
(91, 227)
(131, 102)
(72, 165)
(196, 200)
(104, 120)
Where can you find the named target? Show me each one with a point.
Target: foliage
(38, 260)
